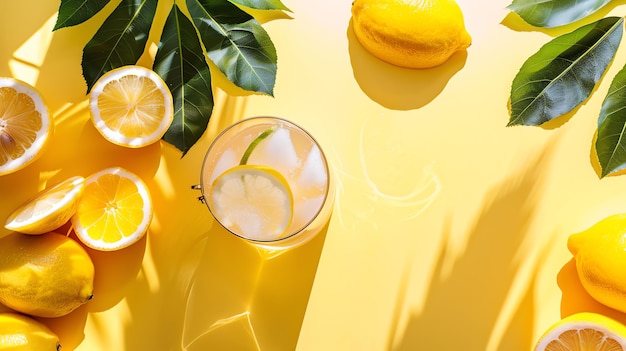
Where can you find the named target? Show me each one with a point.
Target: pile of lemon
(46, 273)
(600, 255)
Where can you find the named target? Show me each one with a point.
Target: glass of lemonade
(267, 180)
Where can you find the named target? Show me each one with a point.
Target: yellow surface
(449, 229)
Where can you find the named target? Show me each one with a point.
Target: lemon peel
(409, 33)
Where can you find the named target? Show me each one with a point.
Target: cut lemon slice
(131, 106)
(252, 201)
(114, 211)
(584, 331)
(49, 209)
(25, 125)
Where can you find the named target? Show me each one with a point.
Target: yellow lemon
(115, 210)
(25, 125)
(49, 209)
(252, 201)
(600, 254)
(22, 333)
(584, 331)
(410, 33)
(131, 106)
(47, 275)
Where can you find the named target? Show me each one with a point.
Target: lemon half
(115, 210)
(49, 209)
(252, 201)
(131, 106)
(584, 331)
(25, 125)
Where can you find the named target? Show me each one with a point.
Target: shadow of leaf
(468, 301)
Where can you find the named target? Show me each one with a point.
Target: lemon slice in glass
(25, 125)
(49, 209)
(131, 106)
(584, 331)
(115, 210)
(252, 201)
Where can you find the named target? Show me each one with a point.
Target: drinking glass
(283, 146)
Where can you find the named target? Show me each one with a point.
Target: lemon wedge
(49, 209)
(584, 331)
(252, 201)
(115, 210)
(131, 106)
(25, 125)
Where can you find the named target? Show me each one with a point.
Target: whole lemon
(49, 275)
(19, 332)
(600, 254)
(410, 33)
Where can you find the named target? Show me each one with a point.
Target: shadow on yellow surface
(465, 307)
(399, 88)
(576, 299)
(241, 300)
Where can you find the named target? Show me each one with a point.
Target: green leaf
(542, 13)
(564, 72)
(236, 43)
(262, 4)
(180, 62)
(120, 40)
(73, 12)
(611, 138)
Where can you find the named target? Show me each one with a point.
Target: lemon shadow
(576, 299)
(399, 88)
(470, 298)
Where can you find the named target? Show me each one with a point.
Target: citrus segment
(115, 210)
(131, 106)
(25, 125)
(584, 331)
(252, 201)
(49, 209)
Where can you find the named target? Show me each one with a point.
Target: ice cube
(277, 152)
(313, 172)
(305, 210)
(226, 161)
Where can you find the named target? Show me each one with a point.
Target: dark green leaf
(262, 4)
(73, 12)
(541, 13)
(611, 139)
(120, 40)
(563, 73)
(236, 43)
(180, 62)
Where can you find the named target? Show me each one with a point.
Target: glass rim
(271, 119)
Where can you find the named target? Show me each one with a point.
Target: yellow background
(449, 229)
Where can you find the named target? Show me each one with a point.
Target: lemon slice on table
(49, 209)
(114, 211)
(131, 106)
(584, 331)
(25, 125)
(252, 201)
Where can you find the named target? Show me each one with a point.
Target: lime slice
(252, 201)
(49, 209)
